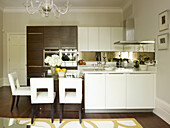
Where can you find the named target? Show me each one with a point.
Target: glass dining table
(56, 82)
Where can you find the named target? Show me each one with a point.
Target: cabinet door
(104, 38)
(116, 35)
(93, 38)
(68, 36)
(140, 91)
(52, 36)
(94, 91)
(115, 91)
(35, 46)
(83, 39)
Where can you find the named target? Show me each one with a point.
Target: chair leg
(13, 101)
(61, 112)
(52, 113)
(18, 97)
(32, 113)
(80, 110)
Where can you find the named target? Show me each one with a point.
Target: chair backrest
(41, 83)
(70, 83)
(14, 81)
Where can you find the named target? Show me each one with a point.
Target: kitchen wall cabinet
(68, 36)
(60, 36)
(93, 38)
(99, 38)
(140, 91)
(115, 91)
(105, 39)
(116, 35)
(83, 39)
(95, 91)
(52, 36)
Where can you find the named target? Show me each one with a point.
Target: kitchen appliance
(129, 27)
(69, 56)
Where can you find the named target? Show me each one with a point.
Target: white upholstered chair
(70, 97)
(42, 97)
(16, 89)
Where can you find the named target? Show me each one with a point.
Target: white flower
(53, 61)
(55, 57)
(47, 60)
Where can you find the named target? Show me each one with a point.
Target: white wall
(146, 17)
(16, 22)
(1, 48)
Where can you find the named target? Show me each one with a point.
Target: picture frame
(163, 41)
(164, 20)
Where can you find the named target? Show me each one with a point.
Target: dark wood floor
(147, 120)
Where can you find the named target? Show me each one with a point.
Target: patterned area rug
(86, 123)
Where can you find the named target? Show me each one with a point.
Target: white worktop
(120, 70)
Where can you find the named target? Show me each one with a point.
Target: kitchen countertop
(120, 70)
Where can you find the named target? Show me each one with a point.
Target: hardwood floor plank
(147, 120)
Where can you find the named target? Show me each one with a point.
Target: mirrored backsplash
(98, 56)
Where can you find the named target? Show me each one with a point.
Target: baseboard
(162, 110)
(1, 82)
(6, 82)
(116, 110)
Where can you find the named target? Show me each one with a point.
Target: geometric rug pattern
(86, 123)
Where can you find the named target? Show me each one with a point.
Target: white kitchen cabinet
(116, 35)
(105, 39)
(83, 40)
(93, 38)
(115, 91)
(140, 91)
(94, 91)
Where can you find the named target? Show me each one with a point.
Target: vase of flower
(53, 71)
(54, 61)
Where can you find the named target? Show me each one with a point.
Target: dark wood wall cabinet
(44, 37)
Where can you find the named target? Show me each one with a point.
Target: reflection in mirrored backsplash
(98, 56)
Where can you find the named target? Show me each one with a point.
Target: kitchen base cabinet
(94, 91)
(115, 91)
(119, 91)
(140, 91)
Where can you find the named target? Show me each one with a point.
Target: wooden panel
(35, 58)
(35, 45)
(35, 38)
(68, 36)
(35, 71)
(51, 36)
(35, 29)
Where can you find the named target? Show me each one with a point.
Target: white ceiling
(74, 3)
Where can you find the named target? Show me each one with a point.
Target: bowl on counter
(61, 73)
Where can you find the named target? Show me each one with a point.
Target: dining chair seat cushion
(42, 97)
(23, 91)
